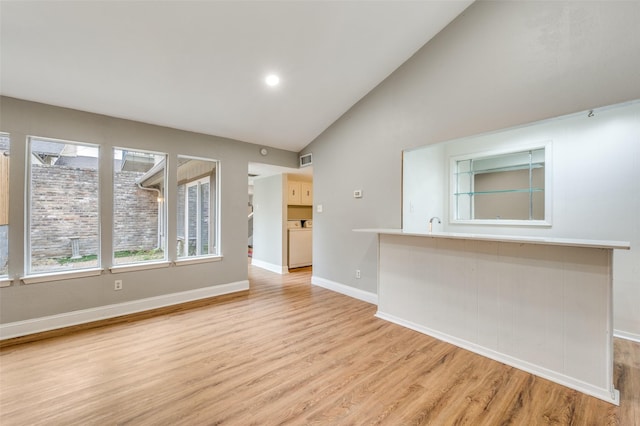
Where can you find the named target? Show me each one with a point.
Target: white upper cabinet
(299, 193)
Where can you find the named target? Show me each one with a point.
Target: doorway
(267, 214)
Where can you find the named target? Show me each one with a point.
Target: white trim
(117, 269)
(198, 259)
(609, 395)
(67, 319)
(347, 290)
(62, 275)
(626, 335)
(5, 282)
(278, 269)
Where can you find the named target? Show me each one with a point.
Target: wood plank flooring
(284, 352)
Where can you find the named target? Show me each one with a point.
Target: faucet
(431, 222)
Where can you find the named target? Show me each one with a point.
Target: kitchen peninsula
(543, 305)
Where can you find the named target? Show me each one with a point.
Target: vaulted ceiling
(201, 65)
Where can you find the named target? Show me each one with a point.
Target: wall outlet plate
(357, 193)
(117, 285)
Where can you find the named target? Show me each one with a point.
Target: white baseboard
(626, 335)
(356, 293)
(609, 395)
(278, 269)
(67, 319)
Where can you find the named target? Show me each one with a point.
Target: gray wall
(499, 64)
(21, 118)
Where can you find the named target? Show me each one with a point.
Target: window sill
(5, 282)
(139, 267)
(59, 276)
(199, 259)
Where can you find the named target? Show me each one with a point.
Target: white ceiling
(200, 65)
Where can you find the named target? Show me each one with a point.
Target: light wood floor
(284, 352)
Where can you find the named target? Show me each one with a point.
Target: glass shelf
(538, 165)
(505, 186)
(502, 191)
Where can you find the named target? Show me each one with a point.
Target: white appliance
(300, 244)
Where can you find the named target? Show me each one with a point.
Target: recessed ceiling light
(272, 80)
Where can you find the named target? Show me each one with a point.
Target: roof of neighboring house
(79, 162)
(188, 170)
(46, 147)
(133, 161)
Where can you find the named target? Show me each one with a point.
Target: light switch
(357, 193)
(319, 208)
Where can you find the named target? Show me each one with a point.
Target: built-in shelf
(543, 305)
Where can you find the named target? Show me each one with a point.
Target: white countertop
(570, 242)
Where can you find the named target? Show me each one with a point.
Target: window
(63, 222)
(4, 204)
(502, 187)
(197, 207)
(139, 225)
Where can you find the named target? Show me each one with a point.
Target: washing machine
(300, 243)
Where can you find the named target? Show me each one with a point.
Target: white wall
(498, 65)
(23, 303)
(424, 176)
(269, 243)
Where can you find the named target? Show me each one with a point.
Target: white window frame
(198, 184)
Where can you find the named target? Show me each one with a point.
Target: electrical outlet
(117, 285)
(357, 273)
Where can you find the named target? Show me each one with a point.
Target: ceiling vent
(305, 160)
